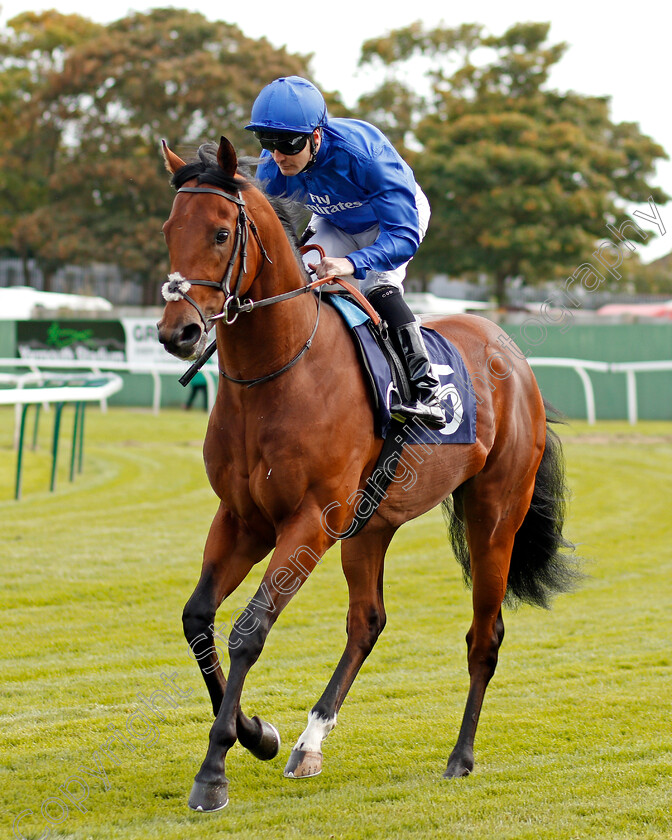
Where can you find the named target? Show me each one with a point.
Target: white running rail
(580, 366)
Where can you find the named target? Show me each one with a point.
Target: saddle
(386, 373)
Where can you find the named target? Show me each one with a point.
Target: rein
(177, 288)
(267, 378)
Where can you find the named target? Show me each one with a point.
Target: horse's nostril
(180, 341)
(189, 336)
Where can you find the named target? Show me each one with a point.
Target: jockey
(368, 213)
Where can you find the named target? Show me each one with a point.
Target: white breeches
(338, 243)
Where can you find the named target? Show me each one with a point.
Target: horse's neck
(270, 336)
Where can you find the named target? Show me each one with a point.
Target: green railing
(24, 390)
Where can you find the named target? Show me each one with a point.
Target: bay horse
(291, 435)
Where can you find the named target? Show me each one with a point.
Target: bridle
(177, 288)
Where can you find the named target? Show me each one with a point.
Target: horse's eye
(221, 236)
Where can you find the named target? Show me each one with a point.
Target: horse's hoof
(269, 744)
(209, 796)
(458, 768)
(460, 762)
(303, 763)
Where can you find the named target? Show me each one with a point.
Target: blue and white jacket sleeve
(391, 194)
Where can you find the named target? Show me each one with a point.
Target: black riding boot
(424, 404)
(424, 385)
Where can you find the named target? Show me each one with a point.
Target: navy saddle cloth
(456, 393)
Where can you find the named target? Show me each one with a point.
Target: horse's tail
(542, 562)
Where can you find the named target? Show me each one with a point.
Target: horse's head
(206, 234)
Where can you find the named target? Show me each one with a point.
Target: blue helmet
(288, 104)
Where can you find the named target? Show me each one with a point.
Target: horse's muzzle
(186, 341)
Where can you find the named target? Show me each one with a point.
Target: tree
(100, 105)
(32, 53)
(522, 179)
(651, 278)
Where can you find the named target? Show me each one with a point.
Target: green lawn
(575, 738)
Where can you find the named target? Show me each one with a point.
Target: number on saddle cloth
(385, 373)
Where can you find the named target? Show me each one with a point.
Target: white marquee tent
(21, 302)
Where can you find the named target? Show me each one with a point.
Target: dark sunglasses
(289, 144)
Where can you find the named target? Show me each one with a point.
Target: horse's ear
(226, 157)
(172, 161)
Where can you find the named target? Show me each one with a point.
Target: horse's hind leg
(362, 558)
(492, 513)
(230, 552)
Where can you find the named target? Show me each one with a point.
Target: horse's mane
(206, 170)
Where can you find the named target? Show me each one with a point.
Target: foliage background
(88, 105)
(522, 178)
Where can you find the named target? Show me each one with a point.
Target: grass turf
(574, 740)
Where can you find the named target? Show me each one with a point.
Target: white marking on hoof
(303, 765)
(306, 757)
(314, 734)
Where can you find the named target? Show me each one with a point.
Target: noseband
(177, 287)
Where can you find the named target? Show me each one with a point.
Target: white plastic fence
(174, 368)
(38, 393)
(630, 369)
(580, 366)
(23, 390)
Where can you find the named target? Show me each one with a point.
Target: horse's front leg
(230, 552)
(297, 553)
(362, 558)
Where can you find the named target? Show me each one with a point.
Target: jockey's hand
(333, 266)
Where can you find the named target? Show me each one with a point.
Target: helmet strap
(313, 150)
